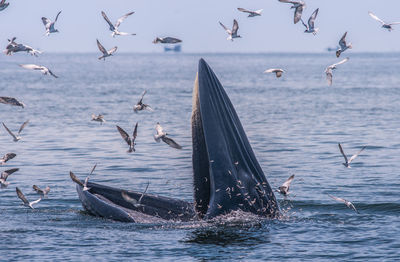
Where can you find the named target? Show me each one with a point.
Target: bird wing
(235, 27)
(341, 151)
(2, 2)
(21, 196)
(11, 100)
(86, 181)
(46, 22)
(342, 41)
(8, 156)
(36, 201)
(226, 29)
(112, 28)
(312, 18)
(112, 50)
(124, 135)
(91, 172)
(37, 189)
(8, 130)
(337, 198)
(134, 135)
(5, 174)
(23, 126)
(376, 18)
(55, 20)
(51, 73)
(341, 62)
(244, 10)
(303, 23)
(352, 206)
(101, 47)
(288, 1)
(31, 66)
(328, 72)
(356, 155)
(171, 142)
(297, 13)
(122, 18)
(288, 181)
(271, 70)
(144, 192)
(141, 99)
(75, 179)
(127, 198)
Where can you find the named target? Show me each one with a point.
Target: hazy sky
(196, 23)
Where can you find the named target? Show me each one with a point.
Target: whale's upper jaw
(227, 175)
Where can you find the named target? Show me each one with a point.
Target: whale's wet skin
(226, 174)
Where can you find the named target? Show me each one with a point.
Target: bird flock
(13, 47)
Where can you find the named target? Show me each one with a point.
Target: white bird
(41, 192)
(50, 25)
(134, 202)
(14, 47)
(98, 118)
(346, 202)
(4, 175)
(3, 5)
(44, 70)
(347, 162)
(299, 7)
(105, 52)
(329, 70)
(310, 28)
(166, 40)
(128, 140)
(16, 138)
(114, 28)
(388, 26)
(343, 45)
(284, 188)
(251, 13)
(277, 71)
(163, 136)
(24, 200)
(232, 33)
(140, 105)
(11, 101)
(7, 157)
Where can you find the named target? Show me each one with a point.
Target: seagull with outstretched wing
(104, 51)
(310, 27)
(344, 201)
(284, 188)
(251, 13)
(114, 28)
(343, 45)
(24, 200)
(50, 25)
(329, 70)
(130, 141)
(388, 26)
(232, 33)
(348, 161)
(163, 136)
(298, 7)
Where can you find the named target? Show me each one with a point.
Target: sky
(196, 23)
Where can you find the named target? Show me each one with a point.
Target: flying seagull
(277, 71)
(114, 28)
(347, 203)
(14, 47)
(24, 200)
(140, 105)
(16, 138)
(310, 27)
(7, 157)
(4, 175)
(134, 202)
(50, 25)
(284, 188)
(41, 192)
(11, 101)
(98, 118)
(128, 140)
(44, 70)
(347, 162)
(163, 136)
(166, 40)
(251, 13)
(105, 52)
(388, 26)
(343, 45)
(3, 5)
(232, 33)
(298, 6)
(329, 70)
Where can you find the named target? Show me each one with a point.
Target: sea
(294, 124)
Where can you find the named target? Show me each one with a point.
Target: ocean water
(293, 123)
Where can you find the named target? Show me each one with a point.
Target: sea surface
(294, 124)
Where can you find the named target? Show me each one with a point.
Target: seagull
(41, 192)
(76, 180)
(7, 157)
(310, 27)
(299, 7)
(166, 40)
(134, 202)
(388, 26)
(105, 52)
(343, 45)
(44, 70)
(114, 28)
(99, 118)
(284, 188)
(232, 33)
(329, 69)
(347, 203)
(140, 105)
(347, 163)
(4, 175)
(277, 71)
(26, 202)
(163, 136)
(128, 140)
(251, 13)
(50, 25)
(3, 5)
(14, 47)
(11, 101)
(16, 138)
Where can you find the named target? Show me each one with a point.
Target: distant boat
(172, 48)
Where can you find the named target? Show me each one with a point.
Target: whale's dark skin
(226, 173)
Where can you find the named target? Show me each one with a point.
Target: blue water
(293, 123)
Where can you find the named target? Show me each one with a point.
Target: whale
(226, 174)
